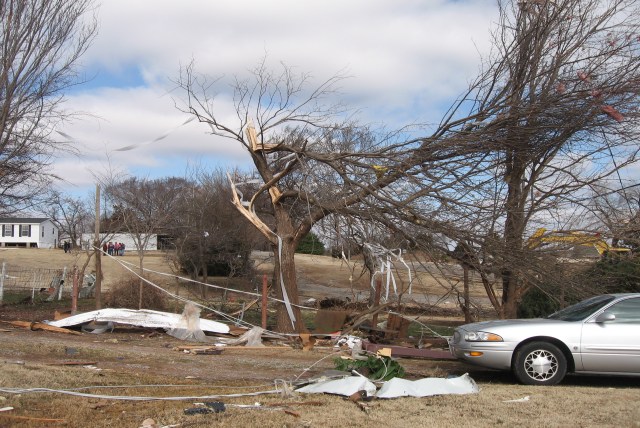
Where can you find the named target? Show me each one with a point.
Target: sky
(407, 61)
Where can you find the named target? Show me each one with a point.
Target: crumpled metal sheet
(346, 386)
(139, 318)
(397, 387)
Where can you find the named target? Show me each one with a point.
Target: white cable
(287, 303)
(124, 262)
(131, 398)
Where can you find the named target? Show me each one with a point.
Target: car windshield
(581, 310)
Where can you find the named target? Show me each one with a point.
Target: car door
(613, 345)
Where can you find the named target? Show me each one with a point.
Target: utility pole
(96, 245)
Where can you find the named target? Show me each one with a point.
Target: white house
(125, 238)
(28, 232)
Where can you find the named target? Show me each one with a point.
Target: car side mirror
(605, 316)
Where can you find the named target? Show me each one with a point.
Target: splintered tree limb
(250, 215)
(365, 316)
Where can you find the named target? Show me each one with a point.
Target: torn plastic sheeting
(253, 338)
(397, 387)
(140, 318)
(346, 386)
(189, 326)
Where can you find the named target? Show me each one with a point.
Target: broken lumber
(34, 326)
(247, 307)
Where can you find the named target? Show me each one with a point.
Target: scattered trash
(206, 407)
(217, 406)
(6, 409)
(349, 341)
(201, 350)
(149, 423)
(197, 411)
(253, 338)
(90, 367)
(518, 400)
(97, 327)
(74, 363)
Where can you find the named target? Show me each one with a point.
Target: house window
(43, 231)
(7, 230)
(25, 230)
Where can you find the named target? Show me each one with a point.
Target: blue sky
(408, 60)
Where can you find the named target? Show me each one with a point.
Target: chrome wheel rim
(541, 365)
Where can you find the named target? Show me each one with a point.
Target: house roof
(18, 220)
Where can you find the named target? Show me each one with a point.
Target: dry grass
(131, 360)
(135, 359)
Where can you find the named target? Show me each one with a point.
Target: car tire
(540, 363)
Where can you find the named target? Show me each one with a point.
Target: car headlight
(481, 336)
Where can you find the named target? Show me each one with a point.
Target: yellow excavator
(573, 238)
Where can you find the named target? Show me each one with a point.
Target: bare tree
(308, 165)
(549, 117)
(72, 215)
(552, 117)
(41, 42)
(143, 208)
(208, 232)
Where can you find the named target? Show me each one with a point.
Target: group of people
(114, 249)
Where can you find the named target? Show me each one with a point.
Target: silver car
(598, 335)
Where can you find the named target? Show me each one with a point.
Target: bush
(126, 295)
(537, 304)
(616, 275)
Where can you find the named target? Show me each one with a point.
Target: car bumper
(490, 355)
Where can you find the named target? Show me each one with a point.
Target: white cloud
(407, 58)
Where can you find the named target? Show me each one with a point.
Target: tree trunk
(140, 288)
(466, 307)
(513, 240)
(285, 280)
(285, 275)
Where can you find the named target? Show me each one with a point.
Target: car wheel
(540, 363)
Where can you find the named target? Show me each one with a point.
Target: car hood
(495, 324)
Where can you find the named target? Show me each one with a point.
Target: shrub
(126, 295)
(310, 244)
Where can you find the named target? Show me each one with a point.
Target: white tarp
(139, 318)
(395, 387)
